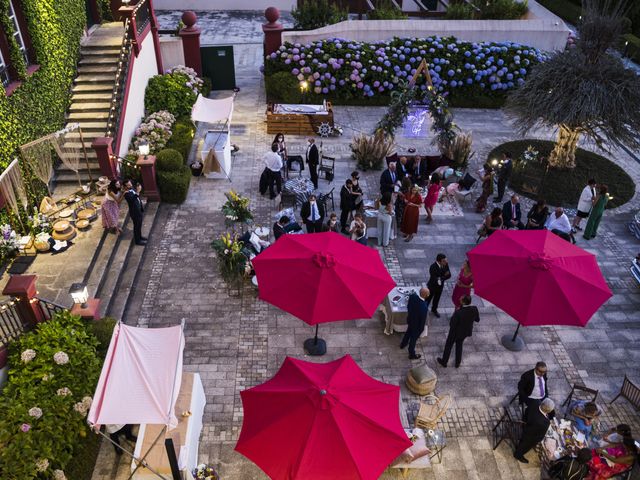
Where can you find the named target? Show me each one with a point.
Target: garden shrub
(501, 9)
(155, 130)
(175, 91)
(343, 71)
(39, 105)
(386, 10)
(284, 87)
(569, 12)
(459, 11)
(632, 48)
(102, 330)
(314, 14)
(182, 135)
(169, 160)
(43, 407)
(174, 185)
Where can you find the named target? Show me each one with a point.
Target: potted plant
(196, 168)
(232, 262)
(236, 209)
(205, 472)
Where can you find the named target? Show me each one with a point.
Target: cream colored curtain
(12, 187)
(38, 156)
(70, 154)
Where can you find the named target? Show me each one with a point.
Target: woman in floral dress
(111, 207)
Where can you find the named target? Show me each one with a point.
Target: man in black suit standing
(388, 179)
(132, 196)
(460, 327)
(313, 159)
(312, 213)
(403, 168)
(438, 273)
(535, 428)
(511, 213)
(504, 174)
(346, 205)
(532, 387)
(419, 168)
(417, 310)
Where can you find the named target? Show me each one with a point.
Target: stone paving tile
(237, 341)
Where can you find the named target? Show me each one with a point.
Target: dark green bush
(169, 160)
(174, 185)
(501, 9)
(564, 9)
(631, 47)
(284, 87)
(206, 87)
(103, 330)
(182, 134)
(386, 10)
(314, 14)
(170, 92)
(459, 11)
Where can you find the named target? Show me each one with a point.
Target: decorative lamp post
(144, 148)
(87, 308)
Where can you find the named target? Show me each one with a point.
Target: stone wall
(540, 29)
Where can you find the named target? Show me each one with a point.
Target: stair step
(99, 51)
(98, 60)
(79, 116)
(121, 271)
(89, 127)
(77, 145)
(90, 107)
(91, 97)
(93, 78)
(87, 136)
(100, 69)
(103, 41)
(68, 177)
(94, 87)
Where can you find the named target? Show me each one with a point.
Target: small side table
(436, 442)
(90, 312)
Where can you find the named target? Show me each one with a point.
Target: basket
(421, 380)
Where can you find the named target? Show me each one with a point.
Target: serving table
(298, 119)
(395, 304)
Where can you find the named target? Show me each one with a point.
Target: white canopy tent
(140, 383)
(215, 148)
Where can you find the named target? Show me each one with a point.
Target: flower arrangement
(370, 151)
(204, 472)
(236, 209)
(155, 130)
(38, 223)
(39, 425)
(347, 69)
(8, 242)
(232, 262)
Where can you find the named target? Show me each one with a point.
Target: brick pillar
(191, 42)
(148, 170)
(106, 159)
(23, 288)
(156, 37)
(272, 31)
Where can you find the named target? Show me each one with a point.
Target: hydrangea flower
(42, 465)
(35, 412)
(28, 355)
(25, 427)
(61, 358)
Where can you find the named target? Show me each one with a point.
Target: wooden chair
(630, 391)
(581, 393)
(507, 429)
(432, 409)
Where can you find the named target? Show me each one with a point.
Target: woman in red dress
(409, 226)
(432, 196)
(463, 285)
(609, 462)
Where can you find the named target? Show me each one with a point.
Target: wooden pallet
(296, 124)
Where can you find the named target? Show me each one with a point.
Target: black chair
(522, 405)
(327, 196)
(580, 392)
(507, 429)
(327, 166)
(630, 391)
(288, 200)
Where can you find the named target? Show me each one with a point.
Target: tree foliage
(583, 90)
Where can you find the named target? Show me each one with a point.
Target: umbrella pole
(315, 346)
(513, 343)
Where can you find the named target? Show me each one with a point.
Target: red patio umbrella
(326, 421)
(538, 278)
(322, 277)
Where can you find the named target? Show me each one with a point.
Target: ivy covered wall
(38, 106)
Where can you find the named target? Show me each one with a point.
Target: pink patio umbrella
(538, 278)
(322, 277)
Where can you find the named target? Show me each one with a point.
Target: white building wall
(284, 5)
(172, 51)
(144, 67)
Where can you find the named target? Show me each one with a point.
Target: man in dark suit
(403, 169)
(278, 227)
(535, 428)
(438, 273)
(346, 205)
(419, 168)
(388, 179)
(417, 310)
(504, 174)
(313, 159)
(460, 327)
(312, 213)
(132, 196)
(511, 213)
(532, 387)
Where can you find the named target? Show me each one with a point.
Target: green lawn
(563, 187)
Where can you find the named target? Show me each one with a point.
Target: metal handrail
(11, 324)
(117, 95)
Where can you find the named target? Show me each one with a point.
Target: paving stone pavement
(236, 341)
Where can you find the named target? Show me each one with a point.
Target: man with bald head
(417, 310)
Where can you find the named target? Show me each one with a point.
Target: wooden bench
(630, 391)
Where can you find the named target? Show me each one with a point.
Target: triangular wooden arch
(423, 69)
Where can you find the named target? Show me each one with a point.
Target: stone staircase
(91, 97)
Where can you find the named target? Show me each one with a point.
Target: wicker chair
(432, 409)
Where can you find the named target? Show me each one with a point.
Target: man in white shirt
(273, 162)
(532, 387)
(587, 198)
(558, 223)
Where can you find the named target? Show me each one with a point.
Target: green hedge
(174, 185)
(169, 160)
(38, 106)
(182, 134)
(632, 49)
(43, 407)
(564, 9)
